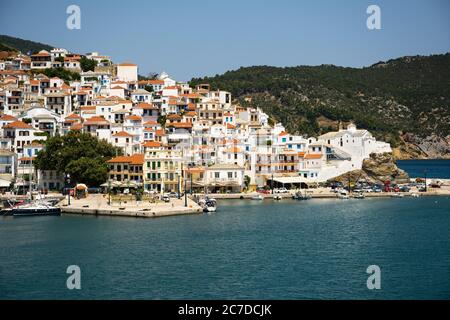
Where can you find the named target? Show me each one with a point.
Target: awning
(4, 183)
(288, 180)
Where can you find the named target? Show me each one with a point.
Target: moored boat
(359, 196)
(35, 209)
(257, 197)
(397, 195)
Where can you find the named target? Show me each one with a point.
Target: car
(377, 190)
(367, 189)
(405, 189)
(165, 198)
(358, 190)
(173, 195)
(281, 190)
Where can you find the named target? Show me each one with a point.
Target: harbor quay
(97, 204)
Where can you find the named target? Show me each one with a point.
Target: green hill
(403, 101)
(8, 43)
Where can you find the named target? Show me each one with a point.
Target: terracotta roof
(127, 64)
(181, 125)
(76, 127)
(133, 117)
(151, 123)
(173, 116)
(313, 156)
(283, 133)
(7, 117)
(122, 134)
(190, 114)
(152, 144)
(17, 125)
(73, 116)
(144, 105)
(135, 159)
(230, 126)
(96, 120)
(161, 82)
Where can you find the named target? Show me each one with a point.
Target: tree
(81, 155)
(87, 64)
(92, 172)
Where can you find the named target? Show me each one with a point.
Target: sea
(248, 249)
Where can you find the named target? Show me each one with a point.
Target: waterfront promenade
(97, 204)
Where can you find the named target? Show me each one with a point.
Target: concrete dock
(97, 204)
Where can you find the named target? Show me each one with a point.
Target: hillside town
(172, 136)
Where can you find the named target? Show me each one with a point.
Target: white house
(127, 72)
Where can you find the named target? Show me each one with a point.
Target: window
(230, 175)
(217, 175)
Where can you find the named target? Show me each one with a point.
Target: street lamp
(425, 173)
(68, 187)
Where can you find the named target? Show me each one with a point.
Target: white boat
(343, 194)
(415, 195)
(277, 197)
(257, 197)
(36, 208)
(359, 196)
(210, 205)
(397, 195)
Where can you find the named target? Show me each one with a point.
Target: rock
(381, 167)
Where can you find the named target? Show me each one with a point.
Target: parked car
(367, 189)
(377, 189)
(165, 198)
(405, 189)
(263, 190)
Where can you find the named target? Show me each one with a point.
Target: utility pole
(185, 194)
(68, 187)
(271, 183)
(425, 172)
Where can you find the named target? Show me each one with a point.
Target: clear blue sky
(207, 37)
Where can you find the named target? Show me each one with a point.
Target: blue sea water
(433, 168)
(317, 249)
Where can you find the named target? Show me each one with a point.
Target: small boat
(40, 208)
(343, 195)
(397, 195)
(415, 195)
(301, 196)
(257, 197)
(210, 205)
(359, 196)
(277, 197)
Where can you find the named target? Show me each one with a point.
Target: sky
(199, 38)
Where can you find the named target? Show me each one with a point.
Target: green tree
(81, 155)
(92, 172)
(87, 64)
